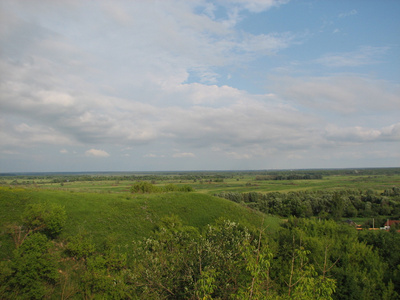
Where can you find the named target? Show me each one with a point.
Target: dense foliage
(290, 176)
(323, 203)
(305, 259)
(144, 187)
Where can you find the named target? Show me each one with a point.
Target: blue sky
(199, 85)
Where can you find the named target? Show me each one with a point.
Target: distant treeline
(326, 204)
(195, 175)
(290, 176)
(145, 187)
(23, 180)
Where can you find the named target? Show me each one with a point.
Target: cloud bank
(143, 80)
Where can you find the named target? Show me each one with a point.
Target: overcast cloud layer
(198, 85)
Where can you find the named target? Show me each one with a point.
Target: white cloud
(358, 134)
(391, 132)
(256, 6)
(97, 153)
(171, 41)
(348, 13)
(23, 135)
(152, 155)
(363, 56)
(145, 75)
(344, 94)
(266, 44)
(245, 122)
(183, 154)
(236, 155)
(64, 151)
(355, 134)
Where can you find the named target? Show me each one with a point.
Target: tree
(144, 187)
(258, 263)
(165, 264)
(47, 218)
(80, 246)
(34, 269)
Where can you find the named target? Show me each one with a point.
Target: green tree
(80, 246)
(388, 246)
(258, 263)
(221, 249)
(144, 187)
(34, 269)
(165, 264)
(104, 276)
(205, 285)
(47, 218)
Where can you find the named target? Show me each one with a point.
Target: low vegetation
(144, 187)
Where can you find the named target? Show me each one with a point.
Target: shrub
(186, 188)
(171, 188)
(147, 188)
(46, 217)
(144, 187)
(80, 246)
(34, 269)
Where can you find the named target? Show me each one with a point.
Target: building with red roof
(390, 223)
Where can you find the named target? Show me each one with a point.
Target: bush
(144, 187)
(171, 188)
(80, 246)
(46, 217)
(186, 188)
(34, 269)
(147, 188)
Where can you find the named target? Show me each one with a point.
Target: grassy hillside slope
(124, 217)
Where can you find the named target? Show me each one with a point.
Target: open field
(215, 182)
(377, 183)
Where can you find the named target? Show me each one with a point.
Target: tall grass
(125, 217)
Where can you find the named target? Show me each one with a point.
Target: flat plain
(215, 182)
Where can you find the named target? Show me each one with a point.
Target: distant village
(388, 224)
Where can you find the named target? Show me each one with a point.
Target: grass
(236, 183)
(377, 182)
(124, 216)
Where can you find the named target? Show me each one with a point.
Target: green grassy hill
(124, 217)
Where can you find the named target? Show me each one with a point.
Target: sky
(198, 85)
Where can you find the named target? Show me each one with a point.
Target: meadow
(215, 182)
(123, 216)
